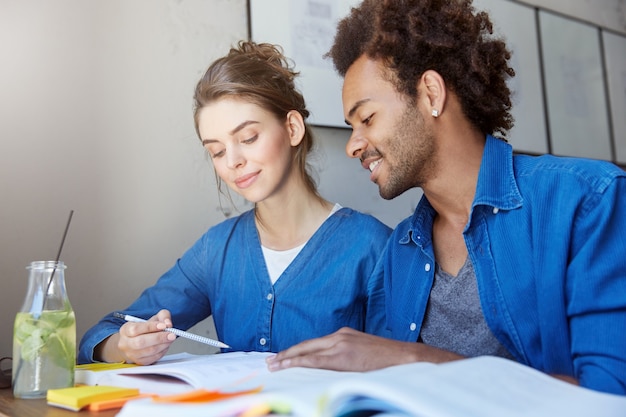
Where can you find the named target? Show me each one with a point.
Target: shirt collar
(496, 188)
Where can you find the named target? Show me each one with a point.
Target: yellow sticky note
(76, 398)
(104, 366)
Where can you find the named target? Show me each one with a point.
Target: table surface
(14, 407)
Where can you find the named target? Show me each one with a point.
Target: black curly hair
(447, 36)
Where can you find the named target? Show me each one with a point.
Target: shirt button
(413, 326)
(269, 296)
(262, 341)
(496, 210)
(427, 267)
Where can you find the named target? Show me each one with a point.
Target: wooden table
(13, 407)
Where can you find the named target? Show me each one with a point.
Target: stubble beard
(413, 149)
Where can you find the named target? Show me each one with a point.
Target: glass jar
(44, 334)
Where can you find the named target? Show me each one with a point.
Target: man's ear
(295, 127)
(433, 92)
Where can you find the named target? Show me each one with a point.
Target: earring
(435, 113)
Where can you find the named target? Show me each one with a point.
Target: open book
(180, 373)
(483, 386)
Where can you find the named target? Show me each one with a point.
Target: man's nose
(356, 145)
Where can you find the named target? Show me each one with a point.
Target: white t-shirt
(277, 261)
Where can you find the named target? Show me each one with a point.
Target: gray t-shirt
(454, 319)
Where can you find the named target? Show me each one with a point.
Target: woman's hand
(140, 343)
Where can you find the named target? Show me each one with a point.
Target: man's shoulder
(591, 174)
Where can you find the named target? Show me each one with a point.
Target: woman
(293, 268)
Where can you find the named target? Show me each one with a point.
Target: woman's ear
(295, 127)
(433, 92)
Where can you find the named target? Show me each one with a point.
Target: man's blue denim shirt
(547, 237)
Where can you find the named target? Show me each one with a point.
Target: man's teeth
(374, 164)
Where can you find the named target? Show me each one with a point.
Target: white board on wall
(615, 54)
(574, 79)
(306, 29)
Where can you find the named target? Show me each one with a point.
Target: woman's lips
(246, 180)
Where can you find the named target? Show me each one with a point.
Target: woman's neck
(284, 223)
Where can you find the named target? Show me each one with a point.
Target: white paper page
(233, 370)
(484, 386)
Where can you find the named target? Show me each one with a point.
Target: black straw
(67, 226)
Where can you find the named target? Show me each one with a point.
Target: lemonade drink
(44, 352)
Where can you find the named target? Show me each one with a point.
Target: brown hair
(447, 36)
(259, 74)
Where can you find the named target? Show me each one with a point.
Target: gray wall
(95, 116)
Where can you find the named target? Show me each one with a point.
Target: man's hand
(351, 350)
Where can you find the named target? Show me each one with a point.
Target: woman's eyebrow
(232, 132)
(241, 126)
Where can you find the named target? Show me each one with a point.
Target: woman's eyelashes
(217, 153)
(251, 140)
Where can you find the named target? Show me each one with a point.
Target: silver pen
(177, 332)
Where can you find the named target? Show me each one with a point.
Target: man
(510, 255)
